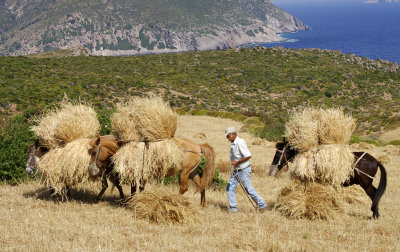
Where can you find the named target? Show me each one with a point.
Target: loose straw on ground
(163, 208)
(310, 201)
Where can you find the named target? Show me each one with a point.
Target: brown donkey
(103, 149)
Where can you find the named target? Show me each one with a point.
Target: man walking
(240, 156)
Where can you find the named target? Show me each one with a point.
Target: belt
(242, 168)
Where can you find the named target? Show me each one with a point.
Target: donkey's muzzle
(29, 170)
(273, 169)
(94, 170)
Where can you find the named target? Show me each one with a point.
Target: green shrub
(370, 140)
(105, 122)
(394, 142)
(172, 180)
(218, 182)
(15, 138)
(355, 139)
(272, 132)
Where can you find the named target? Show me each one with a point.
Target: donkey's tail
(209, 169)
(381, 188)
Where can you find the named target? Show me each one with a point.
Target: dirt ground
(32, 220)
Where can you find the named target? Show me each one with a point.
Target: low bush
(15, 138)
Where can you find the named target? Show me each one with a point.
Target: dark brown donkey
(364, 172)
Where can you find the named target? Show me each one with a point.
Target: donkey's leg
(142, 185)
(114, 178)
(133, 188)
(371, 190)
(68, 192)
(184, 183)
(104, 186)
(197, 181)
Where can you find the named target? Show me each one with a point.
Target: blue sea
(367, 30)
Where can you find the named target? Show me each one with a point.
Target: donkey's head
(33, 155)
(101, 151)
(284, 153)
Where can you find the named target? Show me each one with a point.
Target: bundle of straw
(310, 201)
(328, 164)
(312, 127)
(302, 130)
(144, 119)
(66, 124)
(335, 127)
(163, 208)
(66, 166)
(321, 137)
(137, 161)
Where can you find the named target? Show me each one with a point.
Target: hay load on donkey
(147, 126)
(323, 163)
(148, 119)
(66, 131)
(321, 136)
(66, 166)
(68, 123)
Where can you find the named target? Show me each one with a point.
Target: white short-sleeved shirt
(239, 150)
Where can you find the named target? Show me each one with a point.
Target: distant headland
(381, 1)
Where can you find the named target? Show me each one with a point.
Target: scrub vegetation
(260, 87)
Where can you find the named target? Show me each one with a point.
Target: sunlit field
(33, 220)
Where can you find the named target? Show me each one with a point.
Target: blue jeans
(244, 176)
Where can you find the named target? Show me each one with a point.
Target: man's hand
(235, 162)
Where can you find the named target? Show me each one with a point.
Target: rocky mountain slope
(121, 27)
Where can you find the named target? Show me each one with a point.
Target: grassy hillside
(268, 83)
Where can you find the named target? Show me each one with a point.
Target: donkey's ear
(284, 139)
(36, 142)
(97, 141)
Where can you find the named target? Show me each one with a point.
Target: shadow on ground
(81, 196)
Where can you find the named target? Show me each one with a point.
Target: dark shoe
(262, 210)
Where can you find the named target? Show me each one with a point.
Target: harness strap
(358, 160)
(98, 151)
(201, 154)
(97, 155)
(284, 155)
(358, 170)
(94, 164)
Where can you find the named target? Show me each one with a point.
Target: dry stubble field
(31, 220)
